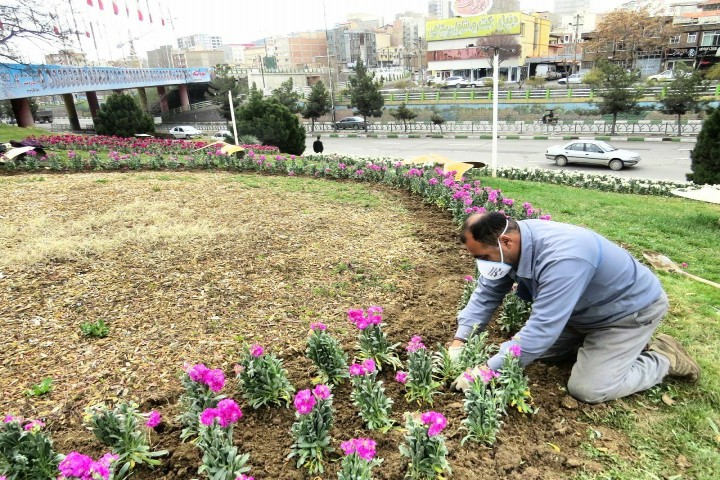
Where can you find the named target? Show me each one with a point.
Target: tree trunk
(312, 125)
(612, 129)
(679, 126)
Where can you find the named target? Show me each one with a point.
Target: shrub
(271, 122)
(122, 116)
(220, 458)
(311, 430)
(327, 355)
(263, 379)
(705, 157)
(425, 447)
(25, 451)
(201, 385)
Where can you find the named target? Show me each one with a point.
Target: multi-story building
(161, 57)
(235, 53)
(437, 9)
(298, 50)
(348, 46)
(453, 44)
(201, 40)
(66, 57)
(698, 42)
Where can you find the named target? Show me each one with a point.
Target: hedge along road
(658, 160)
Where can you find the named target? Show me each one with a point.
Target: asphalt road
(658, 160)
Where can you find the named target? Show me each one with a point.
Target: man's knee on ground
(589, 392)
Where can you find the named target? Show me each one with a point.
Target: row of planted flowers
(208, 416)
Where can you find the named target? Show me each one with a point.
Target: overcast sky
(236, 21)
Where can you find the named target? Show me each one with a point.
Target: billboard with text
(473, 27)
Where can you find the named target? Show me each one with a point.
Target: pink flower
(207, 417)
(197, 372)
(322, 391)
(515, 350)
(153, 419)
(363, 447)
(436, 422)
(433, 181)
(75, 465)
(369, 365)
(318, 326)
(487, 375)
(256, 350)
(10, 418)
(245, 477)
(304, 402)
(215, 379)
(415, 344)
(228, 412)
(684, 265)
(468, 278)
(401, 377)
(356, 369)
(34, 424)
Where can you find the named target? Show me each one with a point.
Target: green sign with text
(472, 27)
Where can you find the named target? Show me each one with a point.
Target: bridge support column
(23, 114)
(184, 99)
(143, 98)
(71, 111)
(164, 107)
(93, 103)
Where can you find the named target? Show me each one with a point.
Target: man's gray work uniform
(590, 297)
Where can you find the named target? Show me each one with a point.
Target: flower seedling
(220, 458)
(419, 384)
(263, 380)
(372, 342)
(40, 389)
(76, 466)
(483, 406)
(311, 430)
(98, 329)
(327, 355)
(369, 397)
(25, 450)
(425, 447)
(359, 459)
(514, 384)
(201, 386)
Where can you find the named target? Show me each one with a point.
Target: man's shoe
(681, 363)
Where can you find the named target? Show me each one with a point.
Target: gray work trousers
(612, 361)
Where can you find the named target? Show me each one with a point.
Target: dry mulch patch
(189, 266)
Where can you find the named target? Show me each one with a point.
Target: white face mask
(494, 270)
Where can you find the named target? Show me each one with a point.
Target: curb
(485, 136)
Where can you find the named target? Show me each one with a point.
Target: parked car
(591, 152)
(185, 131)
(574, 78)
(220, 136)
(455, 82)
(666, 76)
(351, 122)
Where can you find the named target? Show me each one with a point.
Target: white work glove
(455, 352)
(461, 383)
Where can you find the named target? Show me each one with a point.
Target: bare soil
(185, 267)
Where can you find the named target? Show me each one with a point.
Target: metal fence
(578, 127)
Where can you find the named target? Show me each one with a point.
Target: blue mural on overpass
(21, 81)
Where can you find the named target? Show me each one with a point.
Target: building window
(674, 39)
(711, 39)
(692, 37)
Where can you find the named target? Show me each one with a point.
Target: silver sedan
(592, 152)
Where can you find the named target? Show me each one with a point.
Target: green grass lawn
(11, 132)
(686, 231)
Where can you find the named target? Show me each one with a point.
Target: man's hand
(462, 383)
(455, 352)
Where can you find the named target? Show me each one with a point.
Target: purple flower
(363, 447)
(256, 350)
(684, 265)
(10, 418)
(415, 344)
(436, 422)
(304, 402)
(318, 326)
(487, 375)
(34, 424)
(369, 365)
(215, 379)
(433, 181)
(468, 278)
(508, 201)
(322, 391)
(515, 350)
(245, 477)
(207, 417)
(357, 369)
(544, 217)
(197, 372)
(75, 465)
(153, 419)
(228, 412)
(401, 377)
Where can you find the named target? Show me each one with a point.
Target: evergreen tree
(705, 157)
(437, 119)
(122, 116)
(287, 96)
(619, 95)
(403, 113)
(218, 89)
(271, 122)
(317, 104)
(682, 94)
(364, 93)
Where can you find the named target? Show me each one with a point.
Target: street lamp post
(575, 43)
(496, 80)
(262, 71)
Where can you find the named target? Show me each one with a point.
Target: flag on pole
(89, 2)
(100, 5)
(127, 9)
(116, 10)
(140, 14)
(87, 34)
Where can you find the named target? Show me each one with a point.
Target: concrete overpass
(19, 82)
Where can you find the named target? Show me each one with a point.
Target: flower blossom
(245, 477)
(487, 375)
(153, 419)
(468, 278)
(515, 350)
(322, 391)
(34, 424)
(436, 422)
(318, 326)
(304, 402)
(78, 466)
(401, 377)
(363, 447)
(256, 350)
(369, 365)
(227, 412)
(415, 344)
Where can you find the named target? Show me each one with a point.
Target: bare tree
(27, 20)
(508, 47)
(625, 35)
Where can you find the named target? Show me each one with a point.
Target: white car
(574, 78)
(666, 76)
(220, 136)
(591, 152)
(455, 82)
(185, 131)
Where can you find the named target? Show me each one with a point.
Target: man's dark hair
(487, 227)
